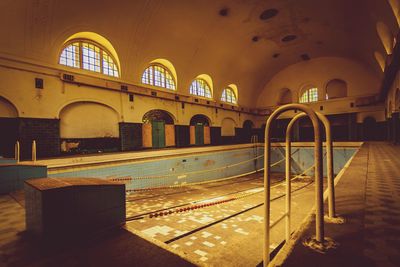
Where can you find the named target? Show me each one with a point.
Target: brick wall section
(8, 134)
(46, 132)
(130, 135)
(182, 135)
(215, 135)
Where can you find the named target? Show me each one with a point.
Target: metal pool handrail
(329, 157)
(319, 214)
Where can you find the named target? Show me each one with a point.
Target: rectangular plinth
(72, 207)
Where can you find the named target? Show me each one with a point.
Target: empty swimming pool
(203, 167)
(206, 204)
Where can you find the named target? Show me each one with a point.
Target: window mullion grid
(101, 61)
(154, 75)
(80, 55)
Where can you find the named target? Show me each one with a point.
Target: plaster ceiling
(235, 47)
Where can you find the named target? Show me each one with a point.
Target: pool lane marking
(228, 217)
(207, 202)
(211, 203)
(141, 216)
(272, 186)
(184, 184)
(196, 189)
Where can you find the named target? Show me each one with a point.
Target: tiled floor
(216, 234)
(12, 216)
(382, 214)
(368, 197)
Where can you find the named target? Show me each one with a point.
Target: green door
(199, 134)
(158, 134)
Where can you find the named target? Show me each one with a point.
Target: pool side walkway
(117, 247)
(368, 197)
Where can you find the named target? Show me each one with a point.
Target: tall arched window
(200, 87)
(310, 95)
(87, 55)
(158, 75)
(228, 96)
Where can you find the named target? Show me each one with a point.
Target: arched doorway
(158, 129)
(199, 130)
(370, 129)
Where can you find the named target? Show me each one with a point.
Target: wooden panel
(147, 135)
(158, 133)
(192, 135)
(199, 134)
(169, 135)
(207, 139)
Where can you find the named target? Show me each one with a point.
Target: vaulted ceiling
(233, 41)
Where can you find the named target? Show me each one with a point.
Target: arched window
(158, 75)
(310, 95)
(90, 56)
(228, 96)
(200, 87)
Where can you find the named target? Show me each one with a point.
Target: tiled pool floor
(214, 234)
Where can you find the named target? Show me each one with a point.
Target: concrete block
(67, 208)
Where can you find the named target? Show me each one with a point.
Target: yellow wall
(17, 86)
(88, 120)
(228, 127)
(169, 135)
(147, 135)
(7, 110)
(207, 136)
(318, 72)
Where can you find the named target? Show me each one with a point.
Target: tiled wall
(12, 177)
(303, 158)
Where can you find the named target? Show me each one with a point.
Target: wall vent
(305, 57)
(39, 83)
(124, 87)
(68, 77)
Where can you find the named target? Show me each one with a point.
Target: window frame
(233, 93)
(155, 64)
(200, 96)
(307, 92)
(102, 50)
